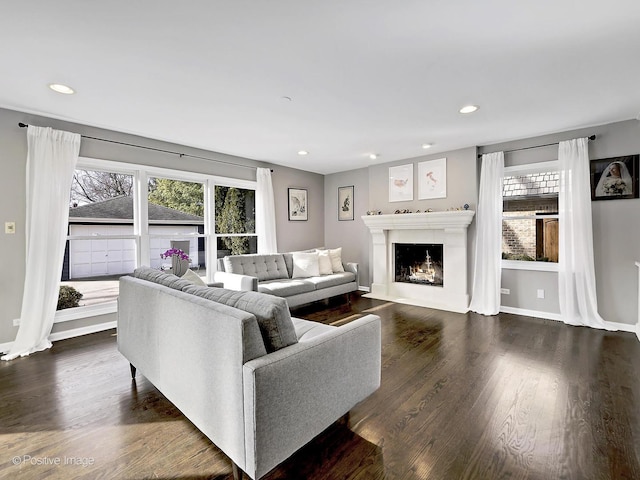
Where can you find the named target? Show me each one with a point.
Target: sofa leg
(238, 474)
(133, 371)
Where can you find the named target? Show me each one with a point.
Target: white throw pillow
(324, 262)
(336, 260)
(305, 265)
(194, 278)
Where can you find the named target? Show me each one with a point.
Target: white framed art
(401, 183)
(432, 179)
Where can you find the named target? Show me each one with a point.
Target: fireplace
(409, 279)
(420, 263)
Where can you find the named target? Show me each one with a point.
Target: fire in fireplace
(419, 263)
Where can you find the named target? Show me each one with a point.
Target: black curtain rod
(24, 125)
(592, 137)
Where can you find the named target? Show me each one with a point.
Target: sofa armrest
(293, 394)
(235, 281)
(353, 268)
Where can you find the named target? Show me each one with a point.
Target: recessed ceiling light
(373, 156)
(60, 88)
(303, 152)
(427, 145)
(469, 109)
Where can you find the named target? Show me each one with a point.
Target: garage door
(102, 256)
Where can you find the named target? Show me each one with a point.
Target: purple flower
(175, 252)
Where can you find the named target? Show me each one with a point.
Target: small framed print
(432, 179)
(345, 203)
(401, 183)
(614, 178)
(298, 205)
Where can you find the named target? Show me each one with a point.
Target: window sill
(534, 266)
(78, 313)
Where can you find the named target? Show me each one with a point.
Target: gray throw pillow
(271, 312)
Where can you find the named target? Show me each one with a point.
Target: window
(101, 245)
(530, 215)
(122, 216)
(235, 221)
(176, 211)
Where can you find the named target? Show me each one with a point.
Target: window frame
(141, 236)
(524, 169)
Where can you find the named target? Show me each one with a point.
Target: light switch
(10, 227)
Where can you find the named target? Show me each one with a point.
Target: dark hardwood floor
(462, 397)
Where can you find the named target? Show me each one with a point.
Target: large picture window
(530, 214)
(122, 216)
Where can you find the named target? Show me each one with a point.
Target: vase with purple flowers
(179, 260)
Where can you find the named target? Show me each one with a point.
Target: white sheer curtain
(487, 265)
(576, 276)
(265, 213)
(51, 159)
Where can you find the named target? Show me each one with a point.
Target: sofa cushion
(194, 278)
(306, 329)
(336, 259)
(263, 267)
(271, 312)
(326, 281)
(324, 262)
(286, 288)
(305, 265)
(160, 277)
(288, 258)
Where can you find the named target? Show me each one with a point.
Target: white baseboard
(77, 332)
(623, 327)
(5, 347)
(531, 313)
(364, 289)
(74, 332)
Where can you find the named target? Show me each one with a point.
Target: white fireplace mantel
(446, 228)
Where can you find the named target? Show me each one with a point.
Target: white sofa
(256, 382)
(273, 274)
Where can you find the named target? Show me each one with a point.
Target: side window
(530, 217)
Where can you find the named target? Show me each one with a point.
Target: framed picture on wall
(345, 203)
(401, 183)
(614, 178)
(432, 179)
(298, 205)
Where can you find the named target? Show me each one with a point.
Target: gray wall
(461, 183)
(352, 236)
(616, 229)
(13, 153)
(372, 193)
(298, 235)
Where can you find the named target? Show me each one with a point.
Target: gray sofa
(258, 383)
(272, 273)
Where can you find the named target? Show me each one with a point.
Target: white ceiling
(363, 75)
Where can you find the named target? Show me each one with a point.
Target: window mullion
(141, 217)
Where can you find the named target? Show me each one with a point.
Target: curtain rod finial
(592, 137)
(22, 125)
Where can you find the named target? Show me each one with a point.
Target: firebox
(420, 263)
